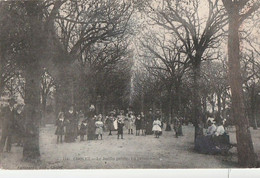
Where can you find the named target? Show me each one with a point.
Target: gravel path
(130, 152)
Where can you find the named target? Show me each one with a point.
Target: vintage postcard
(129, 84)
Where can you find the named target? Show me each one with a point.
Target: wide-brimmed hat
(92, 106)
(212, 120)
(111, 112)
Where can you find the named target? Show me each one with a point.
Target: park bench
(213, 144)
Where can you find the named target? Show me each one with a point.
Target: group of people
(12, 125)
(93, 125)
(69, 125)
(215, 139)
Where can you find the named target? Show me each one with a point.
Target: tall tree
(29, 44)
(163, 59)
(81, 27)
(197, 32)
(238, 11)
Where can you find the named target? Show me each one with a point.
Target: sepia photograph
(129, 84)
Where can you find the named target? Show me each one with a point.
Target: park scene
(129, 84)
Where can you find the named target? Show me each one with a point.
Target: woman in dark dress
(91, 131)
(71, 124)
(138, 125)
(149, 123)
(143, 123)
(19, 127)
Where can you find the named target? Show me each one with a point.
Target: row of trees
(75, 52)
(185, 54)
(78, 53)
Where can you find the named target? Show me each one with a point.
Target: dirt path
(131, 152)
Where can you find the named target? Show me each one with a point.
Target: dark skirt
(91, 131)
(138, 124)
(59, 131)
(110, 125)
(120, 128)
(69, 134)
(143, 125)
(149, 127)
(212, 145)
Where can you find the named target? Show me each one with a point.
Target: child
(99, 127)
(109, 122)
(157, 127)
(131, 121)
(120, 125)
(83, 129)
(60, 127)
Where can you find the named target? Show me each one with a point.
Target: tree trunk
(204, 99)
(36, 42)
(1, 72)
(253, 107)
(178, 96)
(64, 89)
(31, 150)
(246, 155)
(168, 124)
(196, 99)
(44, 103)
(212, 102)
(219, 103)
(224, 116)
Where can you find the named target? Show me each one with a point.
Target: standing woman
(60, 127)
(149, 123)
(91, 135)
(143, 123)
(120, 124)
(19, 125)
(71, 121)
(8, 114)
(138, 123)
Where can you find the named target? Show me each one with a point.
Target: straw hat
(212, 120)
(92, 107)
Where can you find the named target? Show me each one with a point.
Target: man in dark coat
(7, 126)
(149, 123)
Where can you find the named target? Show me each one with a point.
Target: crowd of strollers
(92, 126)
(70, 125)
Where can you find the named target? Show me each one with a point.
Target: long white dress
(99, 127)
(157, 125)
